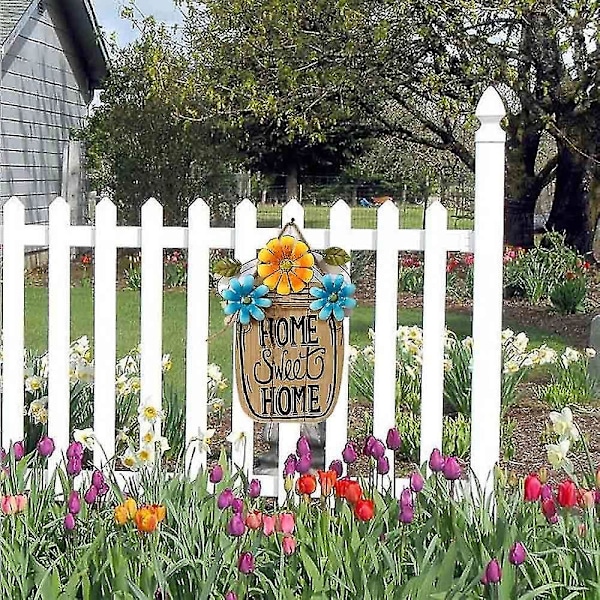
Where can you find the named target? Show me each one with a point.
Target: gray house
(51, 59)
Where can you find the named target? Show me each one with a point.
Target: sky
(108, 13)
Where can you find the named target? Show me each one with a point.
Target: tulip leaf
(227, 267)
(336, 257)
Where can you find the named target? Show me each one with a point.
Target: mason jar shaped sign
(288, 307)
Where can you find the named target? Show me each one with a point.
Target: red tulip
(549, 509)
(567, 494)
(533, 488)
(306, 484)
(364, 510)
(353, 492)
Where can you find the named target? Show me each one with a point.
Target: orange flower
(327, 481)
(306, 484)
(146, 519)
(285, 263)
(159, 510)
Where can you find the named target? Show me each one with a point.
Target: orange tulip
(159, 510)
(327, 481)
(146, 519)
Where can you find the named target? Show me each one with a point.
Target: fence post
(13, 306)
(59, 318)
(434, 312)
(487, 292)
(196, 360)
(105, 330)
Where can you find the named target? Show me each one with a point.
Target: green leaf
(227, 267)
(336, 256)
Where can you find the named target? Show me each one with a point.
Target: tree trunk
(291, 182)
(570, 207)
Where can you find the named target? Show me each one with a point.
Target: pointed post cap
(490, 111)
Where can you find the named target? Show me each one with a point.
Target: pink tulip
(246, 563)
(416, 482)
(21, 501)
(69, 522)
(19, 450)
(45, 446)
(268, 524)
(74, 502)
(8, 505)
(286, 522)
(254, 520)
(288, 544)
(436, 461)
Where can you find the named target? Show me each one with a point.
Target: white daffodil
(129, 459)
(167, 363)
(352, 353)
(150, 413)
(570, 355)
(33, 384)
(520, 342)
(557, 455)
(85, 372)
(214, 372)
(590, 352)
(563, 426)
(163, 443)
(237, 439)
(146, 454)
(507, 334)
(123, 435)
(203, 439)
(511, 367)
(467, 343)
(546, 355)
(85, 437)
(149, 437)
(447, 365)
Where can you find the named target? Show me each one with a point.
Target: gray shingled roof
(10, 13)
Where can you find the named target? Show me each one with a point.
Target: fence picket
(151, 311)
(13, 307)
(196, 406)
(434, 313)
(386, 320)
(340, 224)
(105, 333)
(241, 424)
(59, 307)
(487, 292)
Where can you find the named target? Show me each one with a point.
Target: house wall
(43, 95)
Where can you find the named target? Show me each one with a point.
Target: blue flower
(334, 297)
(245, 300)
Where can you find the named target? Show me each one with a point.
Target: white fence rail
(199, 238)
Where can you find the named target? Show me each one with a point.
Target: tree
(137, 144)
(275, 75)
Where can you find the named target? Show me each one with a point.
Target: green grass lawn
(174, 334)
(411, 217)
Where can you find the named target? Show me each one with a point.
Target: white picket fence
(244, 238)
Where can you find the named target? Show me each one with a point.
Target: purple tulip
(231, 596)
(2, 455)
(98, 479)
(102, 490)
(91, 495)
(74, 503)
(302, 446)
(75, 450)
(368, 447)
(377, 449)
(383, 465)
(225, 499)
(45, 446)
(289, 467)
(254, 488)
(337, 467)
(393, 439)
(451, 469)
(517, 554)
(546, 492)
(69, 522)
(74, 466)
(216, 474)
(246, 563)
(237, 505)
(436, 461)
(304, 464)
(416, 482)
(406, 499)
(19, 450)
(407, 515)
(493, 573)
(236, 525)
(349, 453)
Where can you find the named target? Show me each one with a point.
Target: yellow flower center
(144, 455)
(148, 437)
(129, 461)
(150, 412)
(286, 264)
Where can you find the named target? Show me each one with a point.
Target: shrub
(568, 297)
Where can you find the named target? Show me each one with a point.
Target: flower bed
(213, 536)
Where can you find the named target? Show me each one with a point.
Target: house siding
(43, 95)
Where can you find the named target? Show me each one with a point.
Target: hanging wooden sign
(288, 310)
